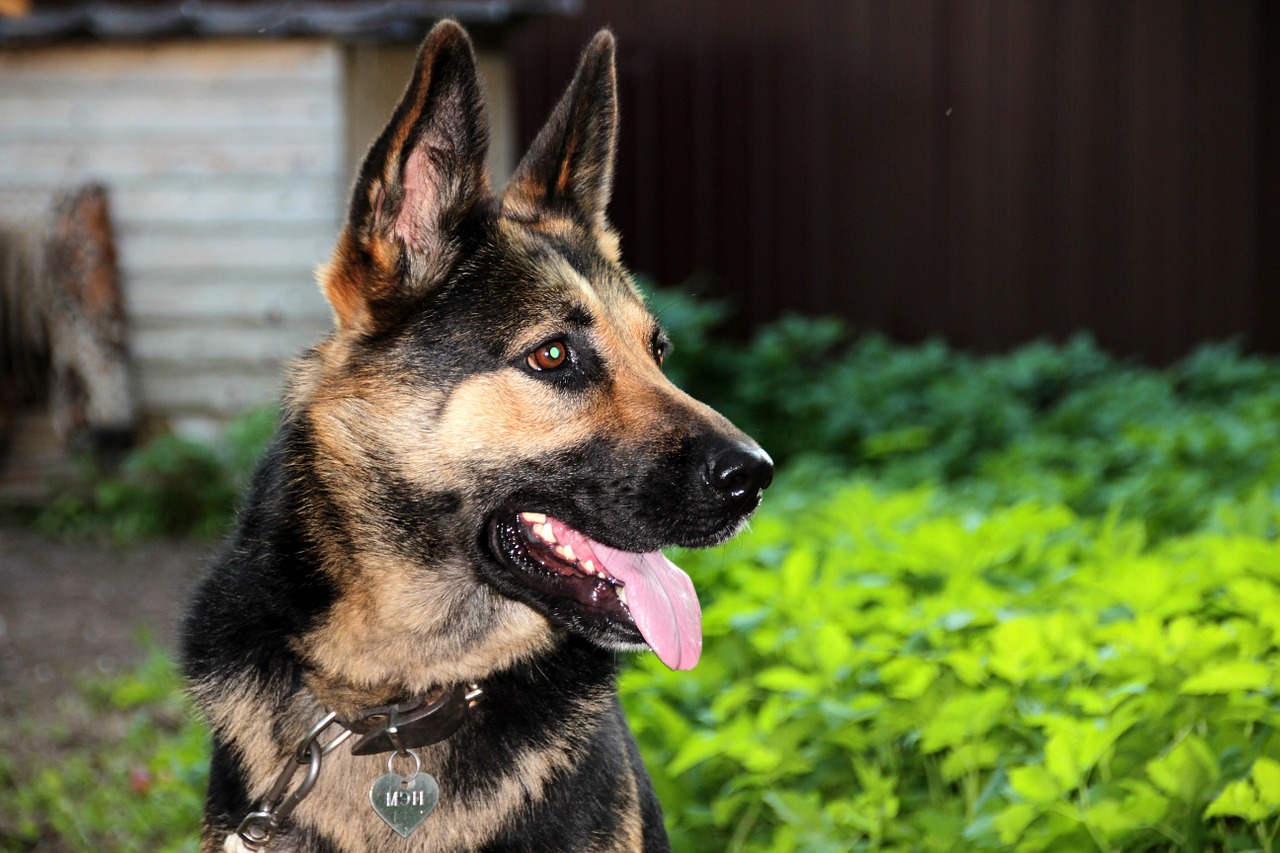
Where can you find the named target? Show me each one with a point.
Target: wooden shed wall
(989, 171)
(226, 168)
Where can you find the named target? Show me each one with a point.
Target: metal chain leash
(259, 827)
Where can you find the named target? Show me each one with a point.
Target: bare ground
(71, 609)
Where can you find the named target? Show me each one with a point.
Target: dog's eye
(660, 354)
(549, 356)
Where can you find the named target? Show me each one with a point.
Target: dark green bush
(171, 486)
(1056, 422)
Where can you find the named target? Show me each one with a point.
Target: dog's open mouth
(644, 590)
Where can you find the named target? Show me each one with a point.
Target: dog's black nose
(740, 472)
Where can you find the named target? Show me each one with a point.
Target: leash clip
(259, 827)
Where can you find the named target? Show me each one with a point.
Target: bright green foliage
(126, 771)
(885, 672)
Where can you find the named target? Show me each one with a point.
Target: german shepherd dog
(457, 527)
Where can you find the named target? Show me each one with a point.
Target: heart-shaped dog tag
(404, 801)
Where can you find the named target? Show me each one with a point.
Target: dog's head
(499, 447)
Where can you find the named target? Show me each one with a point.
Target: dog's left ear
(417, 183)
(569, 167)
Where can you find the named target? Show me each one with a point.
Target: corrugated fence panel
(990, 171)
(225, 166)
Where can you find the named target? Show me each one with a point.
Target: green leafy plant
(121, 767)
(886, 672)
(1065, 422)
(170, 486)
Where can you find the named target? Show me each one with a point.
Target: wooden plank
(902, 180)
(374, 80)
(703, 142)
(197, 346)
(204, 203)
(1006, 308)
(231, 230)
(153, 301)
(231, 59)
(21, 114)
(851, 207)
(672, 192)
(826, 84)
(161, 87)
(495, 77)
(1097, 198)
(966, 195)
(218, 394)
(63, 161)
(792, 151)
(1060, 198)
(1074, 67)
(1112, 308)
(291, 205)
(176, 253)
(124, 135)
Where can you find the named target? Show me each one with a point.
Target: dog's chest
(470, 814)
(341, 807)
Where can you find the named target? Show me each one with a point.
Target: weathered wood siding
(226, 167)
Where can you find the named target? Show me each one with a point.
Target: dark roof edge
(356, 20)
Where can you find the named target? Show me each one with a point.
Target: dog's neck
(349, 700)
(360, 648)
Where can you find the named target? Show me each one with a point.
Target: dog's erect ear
(569, 168)
(422, 175)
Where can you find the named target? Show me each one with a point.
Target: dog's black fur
(379, 552)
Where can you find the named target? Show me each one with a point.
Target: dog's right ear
(418, 180)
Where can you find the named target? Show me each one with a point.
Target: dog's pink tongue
(662, 602)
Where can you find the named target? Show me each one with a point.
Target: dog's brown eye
(549, 356)
(660, 353)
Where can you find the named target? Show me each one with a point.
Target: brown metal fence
(990, 171)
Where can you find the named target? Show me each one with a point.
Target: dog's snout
(740, 473)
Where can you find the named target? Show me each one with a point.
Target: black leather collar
(414, 722)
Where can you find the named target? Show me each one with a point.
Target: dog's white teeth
(545, 533)
(566, 553)
(621, 592)
(589, 566)
(532, 517)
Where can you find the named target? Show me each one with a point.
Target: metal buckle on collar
(416, 722)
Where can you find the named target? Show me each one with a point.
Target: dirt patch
(71, 609)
